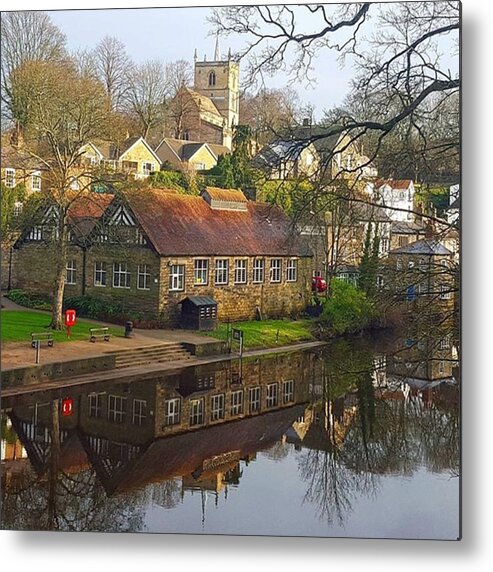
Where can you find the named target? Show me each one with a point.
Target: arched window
(212, 78)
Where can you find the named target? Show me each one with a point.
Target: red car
(319, 284)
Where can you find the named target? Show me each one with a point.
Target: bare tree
(113, 65)
(26, 36)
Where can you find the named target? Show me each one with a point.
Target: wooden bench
(42, 337)
(99, 334)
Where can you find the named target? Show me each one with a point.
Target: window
(196, 412)
(212, 78)
(221, 274)
(10, 178)
(445, 293)
(177, 277)
(237, 402)
(384, 245)
(143, 277)
(402, 240)
(254, 399)
(18, 206)
(172, 412)
(36, 181)
(217, 407)
(71, 271)
(121, 275)
(35, 234)
(399, 264)
(147, 168)
(100, 274)
(445, 343)
(95, 401)
(380, 281)
(240, 271)
(258, 270)
(74, 184)
(201, 272)
(139, 412)
(272, 395)
(288, 391)
(292, 270)
(116, 408)
(275, 270)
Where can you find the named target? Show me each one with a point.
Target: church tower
(219, 80)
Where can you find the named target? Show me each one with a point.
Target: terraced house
(153, 248)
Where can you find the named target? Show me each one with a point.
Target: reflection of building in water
(211, 418)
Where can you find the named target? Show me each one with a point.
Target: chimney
(429, 229)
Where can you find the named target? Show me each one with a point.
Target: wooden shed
(199, 313)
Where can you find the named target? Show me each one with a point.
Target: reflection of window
(116, 408)
(100, 274)
(287, 391)
(275, 270)
(240, 271)
(143, 277)
(196, 412)
(121, 275)
(258, 270)
(172, 411)
(445, 293)
(217, 407)
(291, 270)
(254, 399)
(95, 404)
(272, 395)
(237, 402)
(201, 271)
(10, 178)
(177, 277)
(71, 272)
(139, 412)
(221, 274)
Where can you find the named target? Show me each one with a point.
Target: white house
(454, 204)
(396, 195)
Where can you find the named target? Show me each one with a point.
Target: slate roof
(403, 227)
(14, 158)
(425, 247)
(202, 102)
(185, 225)
(200, 300)
(276, 153)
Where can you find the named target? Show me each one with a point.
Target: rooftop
(428, 247)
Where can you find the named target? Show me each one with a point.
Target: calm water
(360, 439)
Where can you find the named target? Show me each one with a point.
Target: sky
(174, 33)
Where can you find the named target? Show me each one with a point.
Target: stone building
(189, 156)
(153, 248)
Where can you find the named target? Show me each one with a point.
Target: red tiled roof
(400, 184)
(89, 205)
(184, 225)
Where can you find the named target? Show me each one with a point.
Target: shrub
(348, 310)
(29, 300)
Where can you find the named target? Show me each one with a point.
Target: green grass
(17, 326)
(268, 333)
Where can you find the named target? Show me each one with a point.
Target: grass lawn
(17, 326)
(268, 333)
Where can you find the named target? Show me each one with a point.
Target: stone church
(209, 111)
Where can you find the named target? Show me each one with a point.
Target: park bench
(42, 337)
(99, 334)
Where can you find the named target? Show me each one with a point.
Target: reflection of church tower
(219, 81)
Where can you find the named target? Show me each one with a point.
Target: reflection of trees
(167, 494)
(277, 452)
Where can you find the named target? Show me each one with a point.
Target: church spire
(217, 51)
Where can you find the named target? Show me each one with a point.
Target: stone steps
(151, 354)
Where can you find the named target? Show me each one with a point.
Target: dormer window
(212, 78)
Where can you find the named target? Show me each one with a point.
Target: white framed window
(10, 178)
(201, 272)
(272, 395)
(254, 394)
(380, 281)
(399, 263)
(288, 391)
(18, 206)
(116, 408)
(177, 277)
(217, 407)
(121, 275)
(221, 271)
(292, 270)
(384, 245)
(240, 271)
(172, 411)
(148, 168)
(445, 293)
(100, 274)
(275, 270)
(196, 412)
(237, 402)
(74, 184)
(445, 343)
(36, 233)
(36, 181)
(71, 272)
(258, 270)
(143, 277)
(139, 412)
(95, 404)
